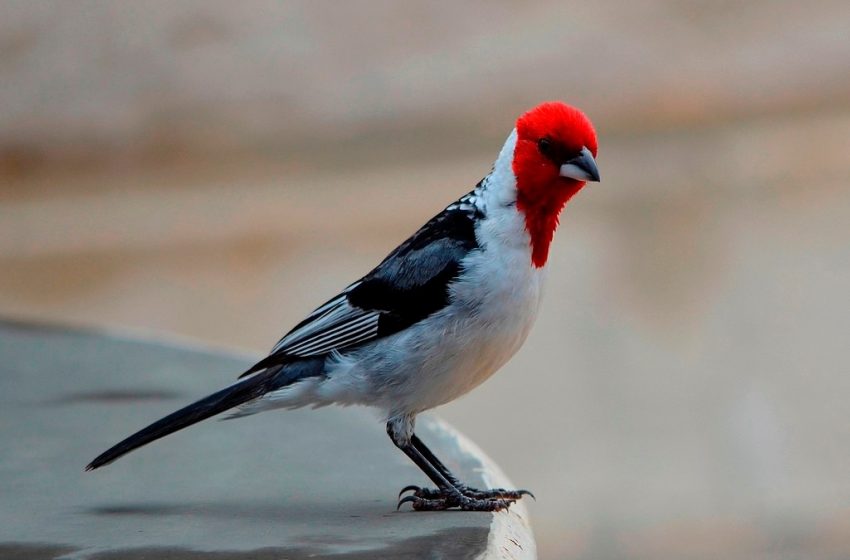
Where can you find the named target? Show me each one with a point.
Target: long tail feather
(229, 397)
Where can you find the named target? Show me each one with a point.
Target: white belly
(485, 332)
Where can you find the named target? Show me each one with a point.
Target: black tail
(234, 395)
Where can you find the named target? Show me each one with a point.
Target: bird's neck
(541, 208)
(538, 199)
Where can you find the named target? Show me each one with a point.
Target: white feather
(336, 324)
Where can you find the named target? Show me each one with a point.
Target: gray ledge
(301, 484)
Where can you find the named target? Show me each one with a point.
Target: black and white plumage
(438, 316)
(408, 286)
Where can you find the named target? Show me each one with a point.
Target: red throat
(541, 217)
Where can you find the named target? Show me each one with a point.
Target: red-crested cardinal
(437, 317)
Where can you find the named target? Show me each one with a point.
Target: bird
(438, 316)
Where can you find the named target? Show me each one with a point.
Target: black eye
(545, 146)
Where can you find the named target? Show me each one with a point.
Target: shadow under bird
(437, 317)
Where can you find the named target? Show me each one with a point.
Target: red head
(553, 160)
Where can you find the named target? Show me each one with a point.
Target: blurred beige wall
(215, 170)
(95, 79)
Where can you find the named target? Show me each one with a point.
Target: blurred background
(216, 169)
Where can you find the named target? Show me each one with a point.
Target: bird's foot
(463, 497)
(491, 494)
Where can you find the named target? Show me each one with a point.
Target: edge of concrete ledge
(511, 536)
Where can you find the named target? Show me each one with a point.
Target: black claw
(408, 488)
(431, 494)
(406, 499)
(421, 504)
(526, 493)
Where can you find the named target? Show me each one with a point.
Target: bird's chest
(495, 305)
(502, 297)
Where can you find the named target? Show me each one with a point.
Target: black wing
(408, 286)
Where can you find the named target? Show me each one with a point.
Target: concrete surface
(303, 484)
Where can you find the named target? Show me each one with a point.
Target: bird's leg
(429, 493)
(443, 497)
(447, 495)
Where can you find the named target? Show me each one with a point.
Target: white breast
(494, 306)
(493, 310)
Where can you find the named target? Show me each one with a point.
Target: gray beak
(581, 168)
